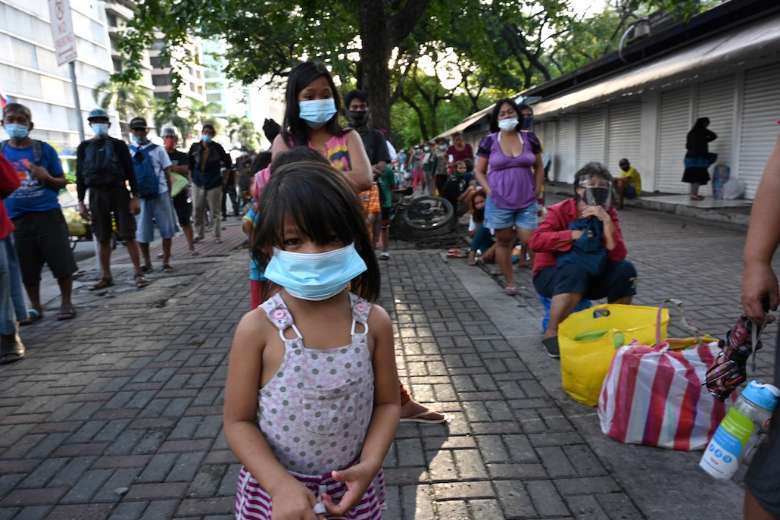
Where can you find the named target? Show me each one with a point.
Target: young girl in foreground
(311, 400)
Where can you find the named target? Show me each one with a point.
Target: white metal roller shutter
(673, 126)
(759, 127)
(590, 138)
(624, 138)
(566, 151)
(716, 101)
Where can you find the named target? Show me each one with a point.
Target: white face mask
(507, 125)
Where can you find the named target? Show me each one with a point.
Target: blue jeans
(482, 239)
(12, 306)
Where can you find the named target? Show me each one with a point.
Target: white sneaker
(384, 255)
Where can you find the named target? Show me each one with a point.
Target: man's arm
(759, 282)
(227, 161)
(81, 187)
(125, 162)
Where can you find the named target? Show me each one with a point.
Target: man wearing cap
(151, 167)
(41, 234)
(180, 184)
(207, 159)
(104, 167)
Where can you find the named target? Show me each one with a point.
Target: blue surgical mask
(315, 276)
(15, 131)
(317, 112)
(138, 141)
(206, 138)
(100, 129)
(507, 125)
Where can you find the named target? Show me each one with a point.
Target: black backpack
(101, 165)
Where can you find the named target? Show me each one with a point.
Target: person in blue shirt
(41, 233)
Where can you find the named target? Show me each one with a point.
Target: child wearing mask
(311, 397)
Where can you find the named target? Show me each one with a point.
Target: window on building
(111, 19)
(117, 64)
(161, 80)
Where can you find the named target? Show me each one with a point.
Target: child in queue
(311, 399)
(260, 289)
(482, 242)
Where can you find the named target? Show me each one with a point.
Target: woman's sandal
(511, 290)
(426, 417)
(104, 283)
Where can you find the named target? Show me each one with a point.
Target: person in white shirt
(156, 207)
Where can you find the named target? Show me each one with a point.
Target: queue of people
(313, 397)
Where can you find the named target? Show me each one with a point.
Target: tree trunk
(374, 57)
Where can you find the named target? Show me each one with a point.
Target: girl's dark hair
(497, 108)
(323, 205)
(295, 131)
(591, 169)
(477, 193)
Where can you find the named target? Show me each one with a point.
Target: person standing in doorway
(103, 166)
(698, 157)
(180, 185)
(509, 169)
(41, 234)
(207, 159)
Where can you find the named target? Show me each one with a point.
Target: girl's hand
(357, 478)
(293, 502)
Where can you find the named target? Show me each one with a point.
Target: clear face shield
(597, 192)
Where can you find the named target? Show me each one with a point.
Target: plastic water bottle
(742, 424)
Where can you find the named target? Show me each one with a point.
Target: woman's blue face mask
(317, 112)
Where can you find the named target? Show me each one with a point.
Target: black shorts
(183, 208)
(763, 475)
(386, 215)
(617, 281)
(42, 238)
(104, 206)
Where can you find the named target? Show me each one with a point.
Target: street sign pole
(76, 100)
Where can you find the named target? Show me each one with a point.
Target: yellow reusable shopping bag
(589, 339)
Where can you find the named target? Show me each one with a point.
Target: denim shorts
(158, 212)
(499, 218)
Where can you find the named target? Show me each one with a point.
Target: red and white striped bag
(655, 395)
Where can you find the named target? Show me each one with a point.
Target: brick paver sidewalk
(118, 413)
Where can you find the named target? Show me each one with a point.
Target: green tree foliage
(242, 130)
(130, 99)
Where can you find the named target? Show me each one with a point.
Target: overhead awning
(757, 41)
(473, 118)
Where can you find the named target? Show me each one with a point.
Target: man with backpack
(41, 234)
(152, 167)
(103, 166)
(207, 159)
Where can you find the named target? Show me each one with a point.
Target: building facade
(723, 64)
(29, 73)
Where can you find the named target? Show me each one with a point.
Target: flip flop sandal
(104, 283)
(147, 269)
(429, 417)
(140, 281)
(33, 316)
(511, 290)
(66, 314)
(167, 268)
